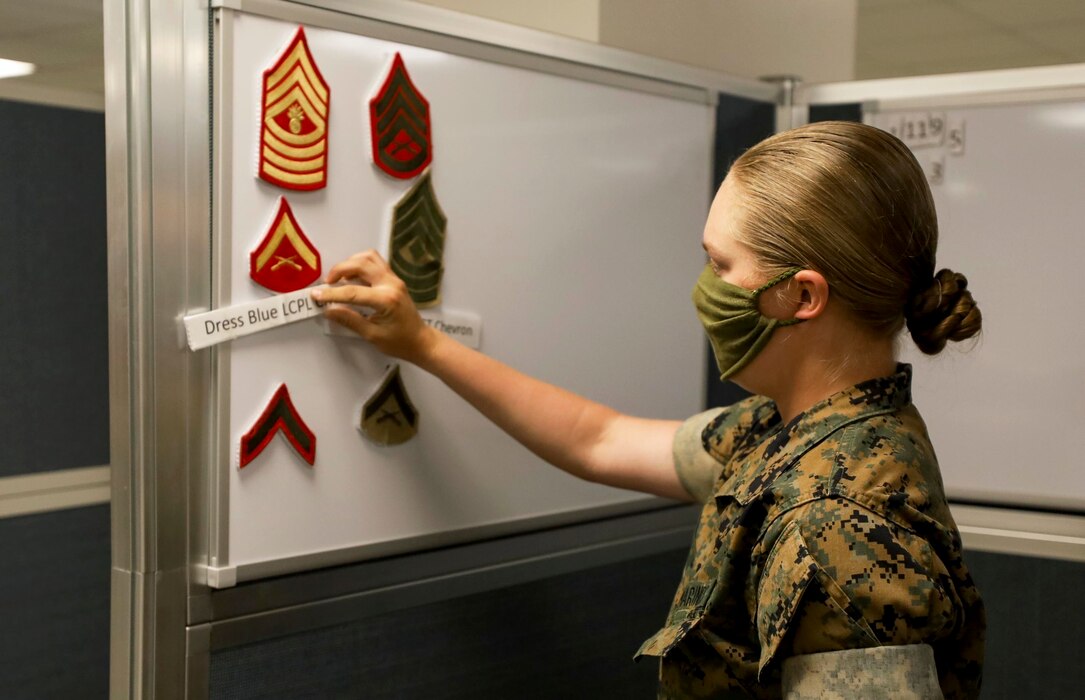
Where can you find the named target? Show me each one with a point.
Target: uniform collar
(782, 448)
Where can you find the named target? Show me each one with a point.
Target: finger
(353, 294)
(349, 318)
(368, 267)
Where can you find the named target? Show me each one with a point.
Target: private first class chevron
(294, 120)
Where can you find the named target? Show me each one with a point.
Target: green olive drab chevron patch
(389, 417)
(418, 242)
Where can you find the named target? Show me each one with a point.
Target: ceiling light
(13, 69)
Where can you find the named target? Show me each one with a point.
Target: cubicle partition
(54, 460)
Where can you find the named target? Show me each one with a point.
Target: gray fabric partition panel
(53, 348)
(740, 123)
(1035, 626)
(54, 605)
(569, 636)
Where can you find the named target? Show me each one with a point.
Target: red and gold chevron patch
(279, 416)
(399, 124)
(294, 120)
(286, 259)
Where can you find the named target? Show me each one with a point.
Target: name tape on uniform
(464, 326)
(214, 327)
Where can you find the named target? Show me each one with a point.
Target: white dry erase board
(1006, 413)
(575, 211)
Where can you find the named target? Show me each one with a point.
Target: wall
(814, 40)
(748, 38)
(575, 18)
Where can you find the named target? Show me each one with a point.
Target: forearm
(557, 425)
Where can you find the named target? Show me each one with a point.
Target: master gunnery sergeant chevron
(826, 563)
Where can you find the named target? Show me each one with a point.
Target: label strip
(213, 327)
(464, 326)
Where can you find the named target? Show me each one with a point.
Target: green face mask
(735, 326)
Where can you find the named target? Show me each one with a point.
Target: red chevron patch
(294, 120)
(279, 416)
(286, 259)
(399, 125)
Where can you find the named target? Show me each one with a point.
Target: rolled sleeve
(697, 470)
(893, 672)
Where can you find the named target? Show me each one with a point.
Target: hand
(394, 326)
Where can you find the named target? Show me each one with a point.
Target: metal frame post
(157, 107)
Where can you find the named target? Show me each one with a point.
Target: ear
(813, 294)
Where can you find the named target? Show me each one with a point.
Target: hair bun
(944, 311)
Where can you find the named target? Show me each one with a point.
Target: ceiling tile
(1021, 13)
(21, 17)
(951, 49)
(1067, 38)
(920, 18)
(71, 44)
(75, 78)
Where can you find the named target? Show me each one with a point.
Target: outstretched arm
(582, 437)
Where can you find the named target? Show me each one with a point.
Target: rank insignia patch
(400, 126)
(279, 416)
(389, 417)
(285, 260)
(294, 121)
(418, 242)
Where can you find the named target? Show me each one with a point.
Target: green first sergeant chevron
(418, 242)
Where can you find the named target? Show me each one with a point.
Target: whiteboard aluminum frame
(479, 37)
(956, 89)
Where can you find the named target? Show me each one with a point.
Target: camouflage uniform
(829, 533)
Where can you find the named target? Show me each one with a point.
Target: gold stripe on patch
(299, 58)
(295, 165)
(290, 151)
(299, 179)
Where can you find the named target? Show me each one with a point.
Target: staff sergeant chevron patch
(418, 242)
(400, 126)
(285, 260)
(294, 120)
(389, 417)
(280, 415)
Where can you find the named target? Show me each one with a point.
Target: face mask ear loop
(791, 272)
(777, 280)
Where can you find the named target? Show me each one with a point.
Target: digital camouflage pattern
(829, 533)
(888, 673)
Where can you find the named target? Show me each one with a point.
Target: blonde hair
(851, 202)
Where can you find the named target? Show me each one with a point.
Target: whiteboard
(1006, 413)
(575, 212)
